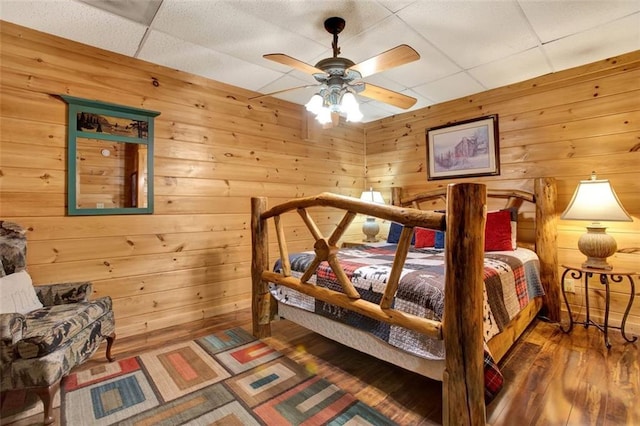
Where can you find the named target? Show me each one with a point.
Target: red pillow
(497, 233)
(425, 237)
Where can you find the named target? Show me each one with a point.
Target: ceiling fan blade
(283, 59)
(387, 96)
(397, 56)
(284, 90)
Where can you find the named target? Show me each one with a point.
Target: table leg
(566, 302)
(587, 275)
(626, 312)
(607, 297)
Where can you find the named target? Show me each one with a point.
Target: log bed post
(463, 378)
(547, 244)
(261, 298)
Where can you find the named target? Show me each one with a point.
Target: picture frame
(465, 149)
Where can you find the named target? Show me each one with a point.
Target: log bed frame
(464, 221)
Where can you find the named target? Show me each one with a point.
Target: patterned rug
(228, 378)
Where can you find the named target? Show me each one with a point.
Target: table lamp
(595, 200)
(370, 227)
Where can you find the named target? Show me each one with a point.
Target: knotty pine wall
(214, 149)
(563, 125)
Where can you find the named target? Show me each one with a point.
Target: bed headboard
(544, 238)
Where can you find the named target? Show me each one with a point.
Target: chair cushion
(52, 326)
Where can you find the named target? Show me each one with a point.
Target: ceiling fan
(340, 79)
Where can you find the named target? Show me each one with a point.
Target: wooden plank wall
(214, 149)
(564, 125)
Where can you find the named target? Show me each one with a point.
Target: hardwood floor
(551, 378)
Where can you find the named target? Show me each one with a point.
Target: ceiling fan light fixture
(340, 78)
(337, 100)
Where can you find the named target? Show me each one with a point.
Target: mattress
(511, 279)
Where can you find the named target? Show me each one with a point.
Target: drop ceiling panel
(449, 88)
(519, 67)
(467, 31)
(614, 38)
(76, 21)
(306, 18)
(135, 10)
(221, 26)
(552, 20)
(171, 52)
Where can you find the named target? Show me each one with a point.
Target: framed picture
(465, 149)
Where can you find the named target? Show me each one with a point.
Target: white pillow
(17, 294)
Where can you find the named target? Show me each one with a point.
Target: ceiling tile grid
(465, 46)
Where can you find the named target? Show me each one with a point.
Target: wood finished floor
(551, 378)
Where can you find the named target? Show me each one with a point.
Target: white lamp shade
(595, 200)
(372, 196)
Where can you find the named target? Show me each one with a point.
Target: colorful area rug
(228, 378)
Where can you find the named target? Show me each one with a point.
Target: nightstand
(606, 276)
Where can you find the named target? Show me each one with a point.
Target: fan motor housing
(337, 70)
(335, 66)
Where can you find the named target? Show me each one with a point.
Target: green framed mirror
(110, 158)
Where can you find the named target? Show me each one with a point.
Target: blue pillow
(439, 244)
(395, 229)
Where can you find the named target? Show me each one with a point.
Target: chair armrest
(64, 293)
(12, 327)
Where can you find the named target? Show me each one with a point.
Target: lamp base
(597, 245)
(370, 228)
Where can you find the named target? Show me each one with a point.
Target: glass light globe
(348, 103)
(324, 116)
(315, 104)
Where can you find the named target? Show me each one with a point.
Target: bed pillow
(499, 224)
(18, 294)
(514, 225)
(497, 234)
(395, 229)
(425, 237)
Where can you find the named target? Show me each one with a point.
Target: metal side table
(606, 276)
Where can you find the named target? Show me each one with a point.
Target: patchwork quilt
(511, 279)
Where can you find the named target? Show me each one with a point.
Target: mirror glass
(110, 158)
(110, 174)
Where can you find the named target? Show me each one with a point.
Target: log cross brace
(327, 250)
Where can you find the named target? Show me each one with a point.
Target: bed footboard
(461, 328)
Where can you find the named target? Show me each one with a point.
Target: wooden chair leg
(110, 339)
(3, 397)
(47, 394)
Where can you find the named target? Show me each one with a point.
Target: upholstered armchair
(45, 330)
